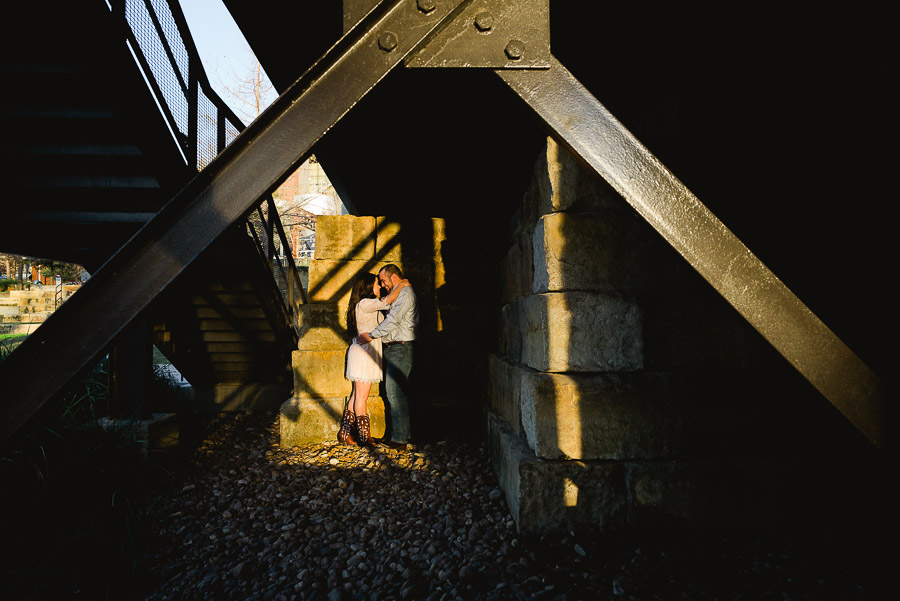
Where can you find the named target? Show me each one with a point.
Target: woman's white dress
(364, 360)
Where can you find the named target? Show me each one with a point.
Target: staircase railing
(201, 124)
(266, 229)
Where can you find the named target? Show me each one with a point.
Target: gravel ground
(248, 520)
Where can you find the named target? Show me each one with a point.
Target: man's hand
(363, 338)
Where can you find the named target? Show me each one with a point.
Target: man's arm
(390, 323)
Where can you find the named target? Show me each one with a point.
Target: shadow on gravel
(246, 519)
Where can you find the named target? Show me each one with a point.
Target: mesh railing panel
(207, 142)
(152, 48)
(169, 58)
(173, 36)
(231, 132)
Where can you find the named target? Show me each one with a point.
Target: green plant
(7, 283)
(9, 342)
(71, 488)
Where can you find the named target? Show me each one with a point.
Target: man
(397, 332)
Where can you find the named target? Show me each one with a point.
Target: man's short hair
(392, 270)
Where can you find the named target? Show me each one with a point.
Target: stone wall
(625, 392)
(345, 246)
(31, 306)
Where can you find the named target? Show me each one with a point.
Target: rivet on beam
(515, 49)
(484, 21)
(387, 41)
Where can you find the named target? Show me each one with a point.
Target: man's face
(385, 280)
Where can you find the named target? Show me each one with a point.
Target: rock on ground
(248, 520)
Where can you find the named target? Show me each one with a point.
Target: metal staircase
(83, 172)
(91, 155)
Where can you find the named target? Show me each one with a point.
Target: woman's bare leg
(360, 397)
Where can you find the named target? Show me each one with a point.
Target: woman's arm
(392, 295)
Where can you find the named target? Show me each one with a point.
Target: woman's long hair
(362, 288)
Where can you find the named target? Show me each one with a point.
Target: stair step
(258, 357)
(61, 112)
(230, 298)
(232, 336)
(98, 200)
(225, 336)
(70, 150)
(75, 219)
(91, 182)
(230, 312)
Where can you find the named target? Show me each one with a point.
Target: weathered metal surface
(580, 122)
(499, 34)
(220, 195)
(496, 34)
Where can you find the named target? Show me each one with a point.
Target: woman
(363, 361)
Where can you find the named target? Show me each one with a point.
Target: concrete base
(310, 421)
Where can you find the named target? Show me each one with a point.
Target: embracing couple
(380, 341)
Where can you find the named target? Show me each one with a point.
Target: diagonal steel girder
(254, 164)
(582, 124)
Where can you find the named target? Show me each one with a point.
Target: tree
(66, 271)
(18, 267)
(250, 92)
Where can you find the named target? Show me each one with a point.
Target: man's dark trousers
(398, 362)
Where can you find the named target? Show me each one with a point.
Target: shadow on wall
(655, 389)
(444, 259)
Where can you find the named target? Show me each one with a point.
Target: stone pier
(625, 393)
(616, 388)
(345, 246)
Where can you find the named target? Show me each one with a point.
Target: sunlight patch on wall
(570, 493)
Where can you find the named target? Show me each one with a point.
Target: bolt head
(484, 21)
(515, 49)
(387, 41)
(426, 6)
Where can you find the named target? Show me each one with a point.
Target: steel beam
(253, 165)
(579, 122)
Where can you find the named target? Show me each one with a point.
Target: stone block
(332, 281)
(603, 416)
(320, 374)
(581, 331)
(649, 416)
(504, 391)
(345, 238)
(560, 183)
(311, 421)
(414, 239)
(517, 270)
(608, 250)
(703, 495)
(510, 335)
(569, 186)
(555, 496)
(323, 327)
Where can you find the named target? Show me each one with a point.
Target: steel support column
(255, 163)
(581, 123)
